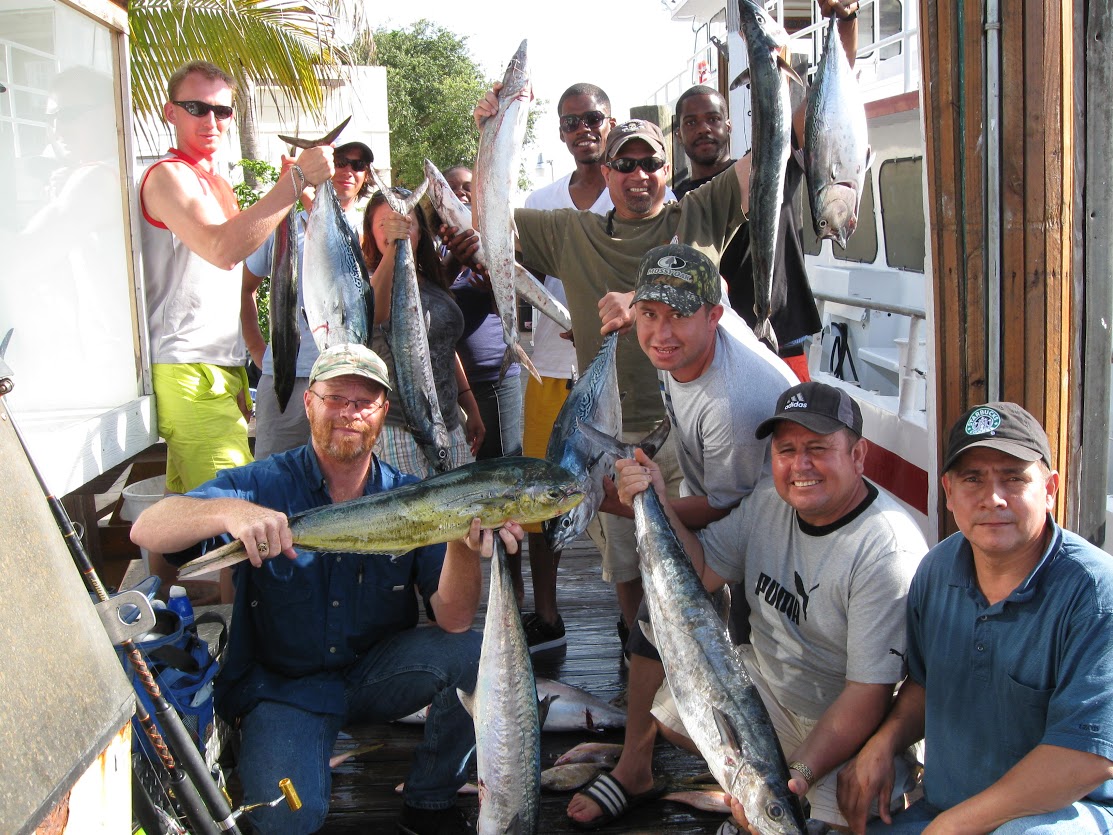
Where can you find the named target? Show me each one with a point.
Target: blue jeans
(500, 406)
(1083, 818)
(395, 678)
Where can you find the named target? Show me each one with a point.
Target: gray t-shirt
(827, 604)
(714, 417)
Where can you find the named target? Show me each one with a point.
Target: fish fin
(543, 706)
(524, 358)
(742, 78)
(327, 139)
(4, 343)
(467, 700)
(214, 560)
(608, 443)
(515, 825)
(789, 71)
(763, 330)
(655, 439)
(411, 202)
(728, 736)
(800, 155)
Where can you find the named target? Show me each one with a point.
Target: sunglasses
(203, 108)
(356, 164)
(625, 165)
(591, 120)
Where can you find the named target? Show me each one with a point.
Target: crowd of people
(993, 645)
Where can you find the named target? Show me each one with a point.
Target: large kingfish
(771, 118)
(714, 695)
(837, 151)
(503, 707)
(438, 509)
(339, 305)
(407, 332)
(594, 400)
(284, 309)
(496, 175)
(451, 210)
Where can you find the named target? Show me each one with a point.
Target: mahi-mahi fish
(284, 310)
(451, 210)
(339, 305)
(496, 175)
(438, 509)
(714, 695)
(771, 115)
(407, 332)
(837, 151)
(503, 707)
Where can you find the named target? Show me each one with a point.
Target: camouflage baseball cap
(350, 358)
(647, 132)
(679, 276)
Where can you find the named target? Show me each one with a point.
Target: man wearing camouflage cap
(1010, 654)
(322, 640)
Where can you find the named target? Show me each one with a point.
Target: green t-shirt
(576, 246)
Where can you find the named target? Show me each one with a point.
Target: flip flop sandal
(613, 800)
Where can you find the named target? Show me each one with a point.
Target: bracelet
(297, 191)
(804, 772)
(460, 392)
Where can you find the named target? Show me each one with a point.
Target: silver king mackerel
(284, 310)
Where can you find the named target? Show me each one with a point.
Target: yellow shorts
(200, 419)
(542, 405)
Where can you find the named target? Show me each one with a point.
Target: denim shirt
(1035, 668)
(298, 625)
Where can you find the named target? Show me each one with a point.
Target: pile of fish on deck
(716, 698)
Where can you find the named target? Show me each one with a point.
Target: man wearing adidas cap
(825, 560)
(1010, 654)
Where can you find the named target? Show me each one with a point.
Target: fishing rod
(205, 807)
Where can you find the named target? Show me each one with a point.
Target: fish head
(544, 500)
(770, 807)
(836, 213)
(559, 531)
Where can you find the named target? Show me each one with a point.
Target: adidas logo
(797, 401)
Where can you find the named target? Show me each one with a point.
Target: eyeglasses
(625, 165)
(335, 401)
(357, 165)
(203, 108)
(592, 119)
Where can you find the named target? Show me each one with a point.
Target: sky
(630, 48)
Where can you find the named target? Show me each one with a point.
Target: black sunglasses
(203, 108)
(625, 165)
(357, 164)
(592, 119)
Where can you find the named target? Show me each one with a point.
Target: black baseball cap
(816, 406)
(363, 149)
(1005, 427)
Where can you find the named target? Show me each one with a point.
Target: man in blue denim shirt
(322, 640)
(1010, 655)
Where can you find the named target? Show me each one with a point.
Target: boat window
(891, 13)
(862, 246)
(902, 212)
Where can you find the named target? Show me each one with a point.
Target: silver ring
(262, 547)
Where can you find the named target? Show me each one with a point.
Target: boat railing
(910, 360)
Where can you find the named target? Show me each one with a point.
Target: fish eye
(775, 811)
(566, 523)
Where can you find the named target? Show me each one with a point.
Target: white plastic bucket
(137, 498)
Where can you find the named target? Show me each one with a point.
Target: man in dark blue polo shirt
(321, 640)
(1010, 655)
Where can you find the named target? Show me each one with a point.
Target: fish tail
(525, 360)
(763, 330)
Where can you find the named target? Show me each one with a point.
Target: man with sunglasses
(703, 129)
(193, 240)
(277, 430)
(325, 640)
(597, 258)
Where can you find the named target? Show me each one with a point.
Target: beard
(341, 448)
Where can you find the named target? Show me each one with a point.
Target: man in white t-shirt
(826, 560)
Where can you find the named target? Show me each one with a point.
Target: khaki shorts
(543, 402)
(614, 536)
(199, 417)
(791, 730)
(397, 447)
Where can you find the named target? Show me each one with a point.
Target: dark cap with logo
(816, 406)
(647, 132)
(1005, 427)
(679, 276)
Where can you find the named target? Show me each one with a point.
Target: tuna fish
(496, 175)
(438, 509)
(407, 331)
(714, 695)
(453, 212)
(284, 310)
(771, 115)
(837, 151)
(504, 709)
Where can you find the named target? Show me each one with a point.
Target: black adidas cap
(1005, 427)
(816, 406)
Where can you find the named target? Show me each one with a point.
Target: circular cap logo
(672, 262)
(983, 421)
